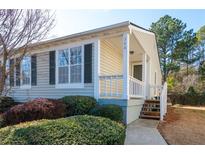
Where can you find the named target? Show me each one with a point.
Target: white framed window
(70, 67)
(76, 65)
(26, 72)
(63, 69)
(8, 76)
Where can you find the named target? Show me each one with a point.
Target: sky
(74, 21)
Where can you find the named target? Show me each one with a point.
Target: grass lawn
(184, 125)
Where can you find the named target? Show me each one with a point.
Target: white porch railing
(155, 91)
(163, 101)
(136, 87)
(111, 86)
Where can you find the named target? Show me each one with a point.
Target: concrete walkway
(144, 132)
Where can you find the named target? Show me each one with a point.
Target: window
(137, 72)
(75, 64)
(26, 71)
(7, 70)
(70, 66)
(63, 61)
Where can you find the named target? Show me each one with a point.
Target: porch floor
(144, 132)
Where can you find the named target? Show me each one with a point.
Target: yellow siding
(110, 59)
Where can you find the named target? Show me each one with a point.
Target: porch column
(126, 52)
(97, 69)
(145, 74)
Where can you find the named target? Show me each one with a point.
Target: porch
(126, 74)
(123, 68)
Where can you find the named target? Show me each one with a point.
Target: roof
(121, 24)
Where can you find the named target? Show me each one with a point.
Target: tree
(185, 51)
(168, 32)
(18, 30)
(201, 47)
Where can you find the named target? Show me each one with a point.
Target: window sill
(69, 86)
(25, 87)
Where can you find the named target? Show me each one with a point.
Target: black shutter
(18, 70)
(0, 70)
(88, 63)
(33, 70)
(52, 67)
(11, 72)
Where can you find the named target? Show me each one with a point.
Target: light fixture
(131, 52)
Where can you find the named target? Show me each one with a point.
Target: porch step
(149, 117)
(151, 113)
(153, 105)
(150, 109)
(152, 101)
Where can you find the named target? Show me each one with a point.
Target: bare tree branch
(18, 30)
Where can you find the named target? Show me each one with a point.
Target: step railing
(155, 91)
(136, 87)
(163, 101)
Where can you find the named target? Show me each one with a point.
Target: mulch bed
(183, 126)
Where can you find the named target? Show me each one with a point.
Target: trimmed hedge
(78, 105)
(37, 109)
(114, 112)
(73, 130)
(6, 103)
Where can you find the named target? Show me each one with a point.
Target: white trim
(126, 52)
(96, 68)
(28, 86)
(93, 31)
(71, 85)
(140, 30)
(145, 58)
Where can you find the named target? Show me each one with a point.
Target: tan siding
(43, 89)
(148, 43)
(111, 59)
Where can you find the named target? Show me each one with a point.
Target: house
(117, 64)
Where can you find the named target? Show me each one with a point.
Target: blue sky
(74, 21)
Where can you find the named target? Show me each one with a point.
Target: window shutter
(11, 72)
(88, 63)
(52, 67)
(33, 70)
(18, 69)
(0, 70)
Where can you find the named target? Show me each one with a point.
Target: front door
(137, 72)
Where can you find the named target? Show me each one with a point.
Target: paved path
(143, 132)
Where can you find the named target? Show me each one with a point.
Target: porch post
(145, 74)
(126, 52)
(96, 69)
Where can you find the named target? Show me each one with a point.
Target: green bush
(189, 98)
(191, 91)
(6, 103)
(78, 105)
(82, 129)
(114, 112)
(1, 121)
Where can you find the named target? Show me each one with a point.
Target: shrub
(191, 91)
(1, 121)
(6, 103)
(114, 112)
(78, 105)
(81, 129)
(37, 109)
(189, 98)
